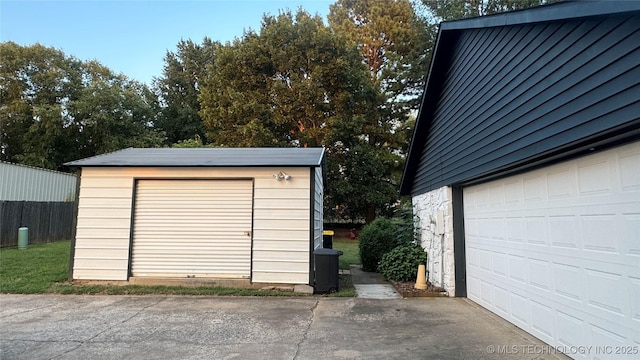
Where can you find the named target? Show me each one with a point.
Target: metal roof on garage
(206, 157)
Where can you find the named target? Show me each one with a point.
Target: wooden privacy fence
(47, 221)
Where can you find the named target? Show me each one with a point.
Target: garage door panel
(541, 274)
(515, 304)
(555, 273)
(500, 264)
(192, 228)
(602, 292)
(629, 231)
(501, 296)
(557, 251)
(482, 249)
(571, 330)
(517, 270)
(634, 285)
(568, 280)
(519, 309)
(543, 321)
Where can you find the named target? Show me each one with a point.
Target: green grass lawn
(351, 252)
(34, 270)
(43, 268)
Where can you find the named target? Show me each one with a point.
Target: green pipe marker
(23, 238)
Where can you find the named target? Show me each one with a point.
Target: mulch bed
(407, 289)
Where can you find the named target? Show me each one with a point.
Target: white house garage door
(556, 251)
(192, 228)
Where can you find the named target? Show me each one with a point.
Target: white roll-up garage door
(556, 251)
(192, 228)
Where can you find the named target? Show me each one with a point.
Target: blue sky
(132, 37)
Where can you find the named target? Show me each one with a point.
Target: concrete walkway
(370, 285)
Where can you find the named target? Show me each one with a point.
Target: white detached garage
(238, 215)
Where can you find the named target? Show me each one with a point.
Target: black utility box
(327, 239)
(327, 268)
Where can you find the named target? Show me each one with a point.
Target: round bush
(401, 263)
(376, 239)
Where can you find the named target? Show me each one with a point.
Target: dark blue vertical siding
(512, 94)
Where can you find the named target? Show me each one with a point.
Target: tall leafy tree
(35, 83)
(178, 89)
(294, 83)
(394, 42)
(112, 113)
(288, 85)
(55, 108)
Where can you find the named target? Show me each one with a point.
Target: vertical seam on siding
(131, 226)
(253, 196)
(459, 242)
(72, 250)
(312, 217)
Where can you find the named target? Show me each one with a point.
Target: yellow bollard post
(421, 279)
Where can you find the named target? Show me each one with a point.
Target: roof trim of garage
(545, 13)
(206, 157)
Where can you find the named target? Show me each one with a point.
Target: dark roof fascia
(196, 166)
(588, 145)
(421, 129)
(94, 161)
(449, 30)
(545, 13)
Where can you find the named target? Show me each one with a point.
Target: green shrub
(405, 220)
(401, 263)
(377, 239)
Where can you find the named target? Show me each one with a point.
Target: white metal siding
(281, 227)
(556, 251)
(26, 183)
(192, 228)
(280, 231)
(103, 227)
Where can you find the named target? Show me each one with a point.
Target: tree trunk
(371, 214)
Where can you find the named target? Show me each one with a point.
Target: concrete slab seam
(108, 328)
(306, 331)
(25, 312)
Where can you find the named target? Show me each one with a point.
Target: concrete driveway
(185, 327)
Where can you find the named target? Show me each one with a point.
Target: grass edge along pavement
(43, 269)
(350, 252)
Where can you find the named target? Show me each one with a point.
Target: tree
(395, 44)
(295, 83)
(289, 85)
(178, 89)
(55, 108)
(460, 9)
(356, 182)
(35, 82)
(112, 113)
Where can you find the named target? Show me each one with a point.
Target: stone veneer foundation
(435, 226)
